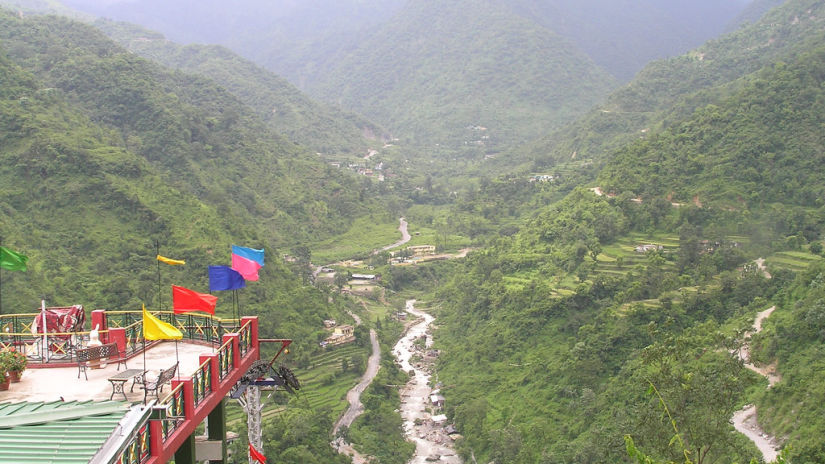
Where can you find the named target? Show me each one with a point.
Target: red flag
(254, 454)
(185, 300)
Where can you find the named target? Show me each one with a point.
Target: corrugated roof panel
(56, 432)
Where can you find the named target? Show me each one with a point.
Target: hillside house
(422, 250)
(340, 335)
(438, 401)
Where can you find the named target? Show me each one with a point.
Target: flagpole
(45, 347)
(143, 330)
(238, 304)
(160, 300)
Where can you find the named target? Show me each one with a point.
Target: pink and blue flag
(247, 261)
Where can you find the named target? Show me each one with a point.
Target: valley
(506, 232)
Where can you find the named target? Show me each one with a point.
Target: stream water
(431, 443)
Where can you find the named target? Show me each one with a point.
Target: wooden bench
(108, 351)
(155, 386)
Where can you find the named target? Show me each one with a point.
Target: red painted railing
(193, 398)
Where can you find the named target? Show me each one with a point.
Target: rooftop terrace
(213, 357)
(63, 383)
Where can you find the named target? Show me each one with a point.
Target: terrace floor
(54, 384)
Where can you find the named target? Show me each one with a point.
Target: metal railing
(171, 411)
(225, 353)
(202, 381)
(60, 347)
(137, 449)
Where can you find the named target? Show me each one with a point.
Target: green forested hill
(88, 212)
(752, 12)
(202, 138)
(280, 104)
(437, 68)
(680, 85)
(105, 154)
(563, 338)
(760, 146)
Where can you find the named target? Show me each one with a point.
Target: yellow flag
(170, 261)
(155, 329)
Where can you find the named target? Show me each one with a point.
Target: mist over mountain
(496, 63)
(621, 36)
(245, 23)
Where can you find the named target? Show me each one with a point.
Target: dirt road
(354, 396)
(745, 420)
(405, 236)
(356, 408)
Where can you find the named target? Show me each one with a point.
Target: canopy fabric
(62, 320)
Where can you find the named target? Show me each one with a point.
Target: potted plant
(4, 380)
(15, 363)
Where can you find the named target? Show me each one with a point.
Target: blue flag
(224, 278)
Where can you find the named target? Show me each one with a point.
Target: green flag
(11, 260)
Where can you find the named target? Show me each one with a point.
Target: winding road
(354, 396)
(405, 236)
(356, 408)
(745, 420)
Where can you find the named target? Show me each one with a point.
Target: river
(430, 441)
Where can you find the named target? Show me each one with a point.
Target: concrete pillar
(118, 335)
(217, 428)
(186, 453)
(99, 321)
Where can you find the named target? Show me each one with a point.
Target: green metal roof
(56, 432)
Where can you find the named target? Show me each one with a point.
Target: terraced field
(621, 256)
(324, 386)
(793, 260)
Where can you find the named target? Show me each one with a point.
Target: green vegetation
(670, 90)
(464, 74)
(105, 154)
(278, 103)
(366, 234)
(561, 339)
(793, 338)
